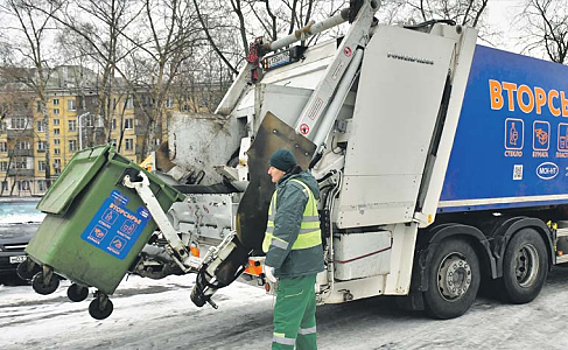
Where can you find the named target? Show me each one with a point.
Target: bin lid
(74, 178)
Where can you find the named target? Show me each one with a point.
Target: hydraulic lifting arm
(305, 138)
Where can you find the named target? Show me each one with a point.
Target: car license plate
(17, 259)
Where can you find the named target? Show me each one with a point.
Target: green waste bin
(96, 227)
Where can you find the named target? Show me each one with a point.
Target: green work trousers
(295, 314)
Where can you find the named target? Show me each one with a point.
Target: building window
(71, 106)
(128, 124)
(56, 102)
(23, 145)
(128, 144)
(55, 122)
(4, 166)
(3, 147)
(41, 146)
(23, 185)
(169, 102)
(56, 131)
(88, 122)
(72, 125)
(18, 123)
(41, 185)
(41, 165)
(38, 107)
(57, 163)
(4, 185)
(56, 142)
(40, 127)
(129, 103)
(20, 164)
(113, 124)
(56, 111)
(56, 151)
(72, 145)
(156, 142)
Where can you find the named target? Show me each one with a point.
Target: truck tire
(525, 266)
(453, 279)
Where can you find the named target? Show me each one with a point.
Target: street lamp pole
(80, 125)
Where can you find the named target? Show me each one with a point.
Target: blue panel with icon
(511, 144)
(115, 229)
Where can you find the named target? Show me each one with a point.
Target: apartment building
(73, 124)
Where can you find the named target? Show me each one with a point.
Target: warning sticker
(115, 229)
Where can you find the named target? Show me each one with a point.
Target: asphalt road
(159, 315)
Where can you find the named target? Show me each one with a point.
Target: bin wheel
(43, 287)
(100, 309)
(77, 293)
(27, 269)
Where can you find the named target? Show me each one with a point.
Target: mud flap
(252, 213)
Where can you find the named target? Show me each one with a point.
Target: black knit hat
(282, 159)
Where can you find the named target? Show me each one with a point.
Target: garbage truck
(441, 164)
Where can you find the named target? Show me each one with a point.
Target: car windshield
(20, 212)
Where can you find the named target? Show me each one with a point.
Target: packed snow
(151, 314)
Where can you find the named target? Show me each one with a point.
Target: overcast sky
(502, 14)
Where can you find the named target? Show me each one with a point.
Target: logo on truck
(547, 170)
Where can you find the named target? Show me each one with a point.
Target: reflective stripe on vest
(310, 233)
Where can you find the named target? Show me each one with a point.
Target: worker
(294, 253)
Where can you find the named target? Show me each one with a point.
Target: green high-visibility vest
(310, 233)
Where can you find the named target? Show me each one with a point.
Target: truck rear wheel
(525, 267)
(453, 279)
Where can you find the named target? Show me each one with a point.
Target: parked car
(19, 220)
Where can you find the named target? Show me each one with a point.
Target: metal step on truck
(441, 164)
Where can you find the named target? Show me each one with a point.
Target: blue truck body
(511, 144)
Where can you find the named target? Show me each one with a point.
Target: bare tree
(96, 29)
(545, 25)
(247, 19)
(16, 118)
(166, 39)
(31, 31)
(463, 12)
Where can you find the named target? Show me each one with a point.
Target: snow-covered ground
(159, 315)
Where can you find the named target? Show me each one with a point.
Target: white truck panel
(359, 205)
(399, 94)
(284, 102)
(307, 72)
(459, 83)
(362, 255)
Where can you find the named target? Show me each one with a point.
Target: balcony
(15, 134)
(20, 172)
(20, 152)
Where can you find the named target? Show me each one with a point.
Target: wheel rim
(454, 276)
(526, 265)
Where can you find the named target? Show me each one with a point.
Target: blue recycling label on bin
(114, 228)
